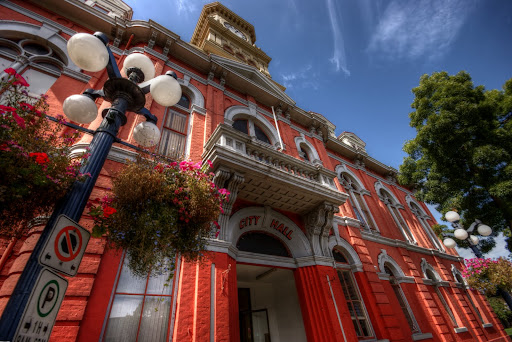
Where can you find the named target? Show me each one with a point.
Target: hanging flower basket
(158, 210)
(35, 167)
(488, 275)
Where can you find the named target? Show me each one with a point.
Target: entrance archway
(267, 245)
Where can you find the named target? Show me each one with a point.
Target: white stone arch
(379, 187)
(296, 242)
(455, 272)
(250, 113)
(45, 34)
(411, 201)
(426, 266)
(384, 259)
(349, 252)
(342, 168)
(195, 95)
(309, 149)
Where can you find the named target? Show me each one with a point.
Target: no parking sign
(37, 321)
(65, 247)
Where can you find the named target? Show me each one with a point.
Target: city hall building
(318, 242)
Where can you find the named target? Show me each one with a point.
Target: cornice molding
(402, 244)
(35, 16)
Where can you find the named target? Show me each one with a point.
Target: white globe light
(474, 240)
(146, 134)
(449, 242)
(452, 216)
(141, 61)
(88, 52)
(165, 90)
(460, 234)
(484, 230)
(80, 108)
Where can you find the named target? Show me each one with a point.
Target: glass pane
(184, 101)
(261, 331)
(241, 125)
(176, 121)
(155, 319)
(39, 82)
(130, 283)
(358, 329)
(172, 144)
(36, 49)
(160, 284)
(260, 135)
(124, 318)
(4, 63)
(364, 327)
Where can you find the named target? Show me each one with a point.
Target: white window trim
(361, 190)
(422, 217)
(392, 202)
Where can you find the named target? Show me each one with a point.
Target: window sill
(487, 325)
(421, 336)
(460, 330)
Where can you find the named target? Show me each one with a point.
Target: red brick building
(318, 241)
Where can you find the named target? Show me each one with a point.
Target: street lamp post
(465, 234)
(91, 53)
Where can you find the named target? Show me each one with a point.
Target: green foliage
(36, 169)
(501, 310)
(157, 211)
(462, 153)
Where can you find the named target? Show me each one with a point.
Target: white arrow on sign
(65, 247)
(37, 321)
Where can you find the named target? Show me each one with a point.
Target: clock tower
(222, 32)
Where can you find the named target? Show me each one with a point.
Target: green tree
(461, 156)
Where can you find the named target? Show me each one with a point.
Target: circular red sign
(68, 243)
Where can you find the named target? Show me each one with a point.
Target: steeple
(222, 32)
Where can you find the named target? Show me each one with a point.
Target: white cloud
(304, 78)
(420, 28)
(189, 6)
(338, 58)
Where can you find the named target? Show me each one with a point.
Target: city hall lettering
(280, 227)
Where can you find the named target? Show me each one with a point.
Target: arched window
(303, 152)
(422, 219)
(184, 101)
(257, 242)
(352, 295)
(359, 205)
(39, 64)
(260, 135)
(243, 125)
(402, 300)
(393, 205)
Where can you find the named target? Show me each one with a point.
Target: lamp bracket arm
(147, 114)
(473, 226)
(112, 68)
(145, 86)
(93, 94)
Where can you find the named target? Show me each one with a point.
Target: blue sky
(356, 61)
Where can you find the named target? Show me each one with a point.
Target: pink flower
(20, 81)
(10, 71)
(19, 121)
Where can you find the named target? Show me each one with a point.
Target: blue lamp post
(91, 53)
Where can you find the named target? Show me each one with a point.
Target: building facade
(318, 242)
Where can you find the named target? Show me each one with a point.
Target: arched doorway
(267, 244)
